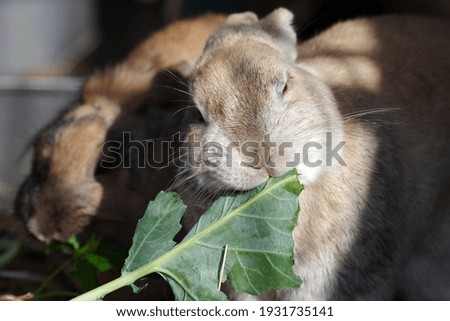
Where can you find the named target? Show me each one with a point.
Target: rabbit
(365, 107)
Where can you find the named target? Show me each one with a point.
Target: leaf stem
(130, 277)
(50, 278)
(124, 280)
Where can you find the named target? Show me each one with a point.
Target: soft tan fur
(376, 227)
(62, 193)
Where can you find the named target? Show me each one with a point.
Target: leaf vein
(245, 272)
(280, 271)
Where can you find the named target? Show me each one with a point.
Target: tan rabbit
(66, 189)
(365, 105)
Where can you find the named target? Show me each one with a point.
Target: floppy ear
(279, 25)
(245, 18)
(236, 19)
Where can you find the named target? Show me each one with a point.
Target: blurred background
(49, 47)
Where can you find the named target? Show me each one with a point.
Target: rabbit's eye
(282, 86)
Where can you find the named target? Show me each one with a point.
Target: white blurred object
(37, 35)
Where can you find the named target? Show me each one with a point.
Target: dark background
(123, 24)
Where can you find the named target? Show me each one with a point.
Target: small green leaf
(74, 242)
(90, 247)
(101, 263)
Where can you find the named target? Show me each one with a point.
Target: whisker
(175, 77)
(314, 21)
(182, 109)
(366, 112)
(177, 89)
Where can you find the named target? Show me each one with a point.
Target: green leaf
(101, 263)
(71, 246)
(90, 247)
(256, 228)
(73, 241)
(155, 231)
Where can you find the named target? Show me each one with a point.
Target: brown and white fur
(66, 190)
(376, 227)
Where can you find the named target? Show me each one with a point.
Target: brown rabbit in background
(67, 190)
(373, 92)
